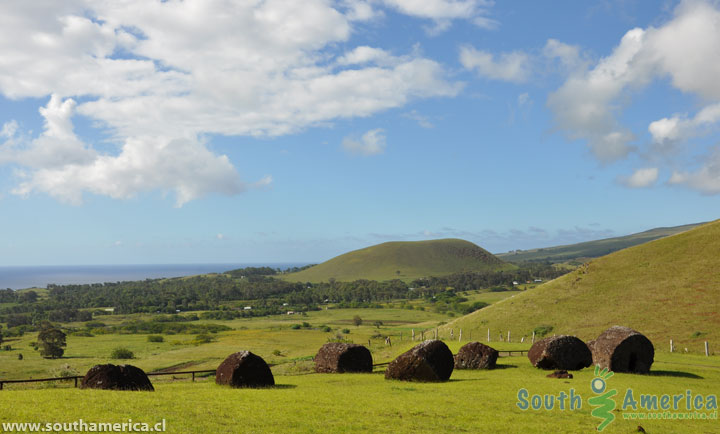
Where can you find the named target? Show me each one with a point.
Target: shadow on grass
(498, 366)
(283, 386)
(674, 374)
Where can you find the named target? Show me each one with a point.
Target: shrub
(306, 324)
(155, 338)
(203, 339)
(295, 326)
(542, 330)
(326, 329)
(122, 353)
(277, 353)
(346, 331)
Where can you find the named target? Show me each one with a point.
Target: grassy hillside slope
(404, 260)
(592, 249)
(666, 289)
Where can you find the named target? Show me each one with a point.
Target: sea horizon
(40, 276)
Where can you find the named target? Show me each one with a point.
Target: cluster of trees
(256, 286)
(486, 279)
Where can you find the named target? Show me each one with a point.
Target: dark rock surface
(336, 357)
(622, 349)
(116, 377)
(560, 374)
(560, 352)
(475, 355)
(431, 360)
(244, 369)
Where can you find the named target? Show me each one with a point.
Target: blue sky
(283, 131)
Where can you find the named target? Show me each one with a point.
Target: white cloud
(156, 81)
(8, 129)
(667, 133)
(584, 105)
(364, 54)
(641, 178)
(422, 120)
(371, 143)
(686, 50)
(220, 237)
(568, 55)
(442, 12)
(706, 179)
(513, 66)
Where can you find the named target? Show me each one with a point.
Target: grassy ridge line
(406, 260)
(666, 289)
(593, 249)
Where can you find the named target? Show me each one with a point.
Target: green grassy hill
(592, 249)
(404, 260)
(667, 289)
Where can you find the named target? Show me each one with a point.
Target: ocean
(22, 277)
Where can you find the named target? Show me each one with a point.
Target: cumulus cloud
(667, 133)
(371, 143)
(705, 179)
(685, 50)
(513, 66)
(158, 81)
(442, 12)
(640, 178)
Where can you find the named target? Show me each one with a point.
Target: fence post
(76, 382)
(508, 335)
(452, 334)
(707, 350)
(488, 335)
(672, 347)
(460, 337)
(413, 335)
(533, 338)
(1, 385)
(193, 376)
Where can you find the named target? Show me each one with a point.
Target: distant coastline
(21, 277)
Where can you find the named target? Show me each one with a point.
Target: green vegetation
(404, 260)
(122, 353)
(473, 401)
(51, 341)
(666, 289)
(591, 249)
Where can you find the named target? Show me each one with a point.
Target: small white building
(247, 308)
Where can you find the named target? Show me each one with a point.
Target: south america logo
(603, 401)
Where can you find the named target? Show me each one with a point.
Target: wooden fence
(76, 377)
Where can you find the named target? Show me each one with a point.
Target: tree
(51, 341)
(377, 324)
(357, 320)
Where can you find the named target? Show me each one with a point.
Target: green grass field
(472, 401)
(405, 260)
(665, 289)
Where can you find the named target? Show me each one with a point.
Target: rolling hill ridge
(667, 289)
(404, 260)
(592, 249)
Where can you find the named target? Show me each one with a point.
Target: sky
(207, 131)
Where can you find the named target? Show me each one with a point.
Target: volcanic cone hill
(665, 289)
(404, 260)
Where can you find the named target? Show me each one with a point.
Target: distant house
(515, 282)
(247, 308)
(538, 280)
(285, 304)
(290, 312)
(109, 309)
